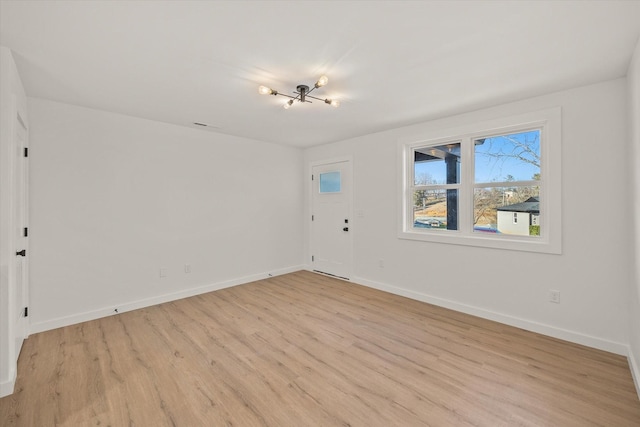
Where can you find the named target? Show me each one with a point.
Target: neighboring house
(516, 218)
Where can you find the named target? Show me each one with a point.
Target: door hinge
(26, 312)
(312, 218)
(313, 258)
(311, 177)
(26, 151)
(26, 232)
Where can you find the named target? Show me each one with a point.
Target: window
(494, 184)
(330, 182)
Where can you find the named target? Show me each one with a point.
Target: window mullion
(409, 185)
(465, 213)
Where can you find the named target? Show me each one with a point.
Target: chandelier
(302, 93)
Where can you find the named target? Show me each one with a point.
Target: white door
(20, 176)
(331, 241)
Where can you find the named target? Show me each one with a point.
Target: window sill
(504, 242)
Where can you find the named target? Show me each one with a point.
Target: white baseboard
(634, 365)
(549, 330)
(6, 387)
(147, 302)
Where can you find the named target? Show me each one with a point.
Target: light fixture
(263, 90)
(302, 93)
(323, 80)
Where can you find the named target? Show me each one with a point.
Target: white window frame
(550, 239)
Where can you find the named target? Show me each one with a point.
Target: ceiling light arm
(275, 92)
(318, 99)
(332, 102)
(312, 89)
(289, 96)
(295, 98)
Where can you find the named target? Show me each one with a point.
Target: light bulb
(288, 104)
(323, 80)
(333, 102)
(263, 90)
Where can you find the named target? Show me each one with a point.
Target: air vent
(201, 125)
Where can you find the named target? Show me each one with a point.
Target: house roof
(531, 205)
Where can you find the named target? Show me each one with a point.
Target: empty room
(319, 213)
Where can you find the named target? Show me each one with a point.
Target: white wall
(594, 271)
(507, 226)
(633, 77)
(12, 102)
(115, 198)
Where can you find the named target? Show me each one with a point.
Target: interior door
(331, 234)
(21, 180)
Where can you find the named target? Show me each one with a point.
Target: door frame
(348, 159)
(20, 183)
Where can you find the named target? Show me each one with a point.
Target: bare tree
(421, 197)
(526, 150)
(486, 200)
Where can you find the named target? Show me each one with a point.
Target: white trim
(634, 365)
(147, 302)
(541, 328)
(24, 327)
(550, 123)
(12, 290)
(7, 387)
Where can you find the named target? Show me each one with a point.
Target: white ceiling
(391, 63)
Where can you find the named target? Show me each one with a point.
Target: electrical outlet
(554, 296)
(187, 268)
(163, 272)
(381, 263)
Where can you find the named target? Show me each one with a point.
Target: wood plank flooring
(309, 350)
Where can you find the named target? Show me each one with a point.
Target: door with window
(331, 233)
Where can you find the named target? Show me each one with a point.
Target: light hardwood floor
(309, 350)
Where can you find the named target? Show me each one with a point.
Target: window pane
(437, 165)
(514, 157)
(507, 210)
(435, 209)
(330, 182)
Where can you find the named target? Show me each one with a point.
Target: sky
(495, 159)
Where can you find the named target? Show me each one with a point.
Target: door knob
(22, 253)
(345, 229)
